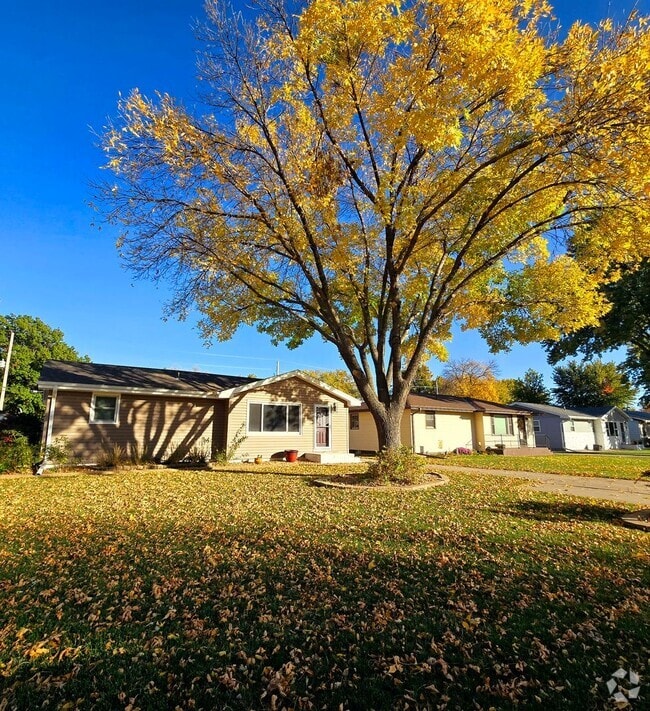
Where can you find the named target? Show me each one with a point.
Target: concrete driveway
(624, 491)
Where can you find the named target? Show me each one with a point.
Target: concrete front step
(525, 451)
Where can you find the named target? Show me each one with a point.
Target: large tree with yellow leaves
(373, 170)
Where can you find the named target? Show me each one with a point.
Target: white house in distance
(612, 427)
(580, 428)
(639, 426)
(442, 423)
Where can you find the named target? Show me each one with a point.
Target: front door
(322, 415)
(521, 427)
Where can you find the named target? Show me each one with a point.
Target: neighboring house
(579, 429)
(443, 423)
(165, 413)
(639, 426)
(611, 426)
(559, 428)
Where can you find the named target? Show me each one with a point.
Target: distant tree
(425, 381)
(471, 378)
(626, 325)
(504, 388)
(592, 384)
(34, 343)
(340, 379)
(531, 388)
(372, 172)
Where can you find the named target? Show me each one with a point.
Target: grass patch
(620, 466)
(244, 588)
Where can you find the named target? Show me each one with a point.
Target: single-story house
(584, 428)
(442, 423)
(639, 426)
(170, 413)
(611, 426)
(559, 428)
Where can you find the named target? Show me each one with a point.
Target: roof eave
(90, 387)
(228, 393)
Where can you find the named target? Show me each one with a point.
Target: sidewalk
(620, 490)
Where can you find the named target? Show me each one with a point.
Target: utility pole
(6, 372)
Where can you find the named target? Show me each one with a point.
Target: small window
(537, 427)
(105, 409)
(430, 420)
(612, 429)
(354, 420)
(502, 425)
(270, 417)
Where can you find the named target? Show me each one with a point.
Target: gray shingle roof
(555, 410)
(638, 415)
(126, 376)
(452, 403)
(599, 411)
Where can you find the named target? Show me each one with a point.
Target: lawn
(248, 589)
(621, 465)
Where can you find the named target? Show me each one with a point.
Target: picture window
(271, 417)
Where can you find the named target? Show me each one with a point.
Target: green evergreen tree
(531, 388)
(594, 384)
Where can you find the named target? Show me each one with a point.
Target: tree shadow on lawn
(562, 512)
(329, 630)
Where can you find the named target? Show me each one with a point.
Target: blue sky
(63, 66)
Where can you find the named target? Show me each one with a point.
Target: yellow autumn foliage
(373, 171)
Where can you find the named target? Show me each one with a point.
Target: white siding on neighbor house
(293, 391)
(451, 430)
(579, 434)
(637, 430)
(612, 441)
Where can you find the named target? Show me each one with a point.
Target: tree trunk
(389, 426)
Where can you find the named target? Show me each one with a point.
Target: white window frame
(427, 426)
(273, 432)
(537, 425)
(115, 420)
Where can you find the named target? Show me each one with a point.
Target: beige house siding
(452, 430)
(479, 431)
(516, 439)
(154, 425)
(365, 438)
(292, 391)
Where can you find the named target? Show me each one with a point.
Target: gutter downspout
(412, 432)
(50, 423)
(5, 375)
